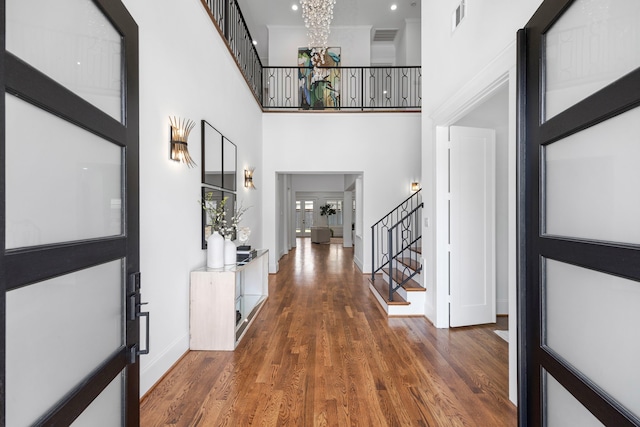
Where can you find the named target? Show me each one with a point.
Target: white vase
(230, 251)
(215, 250)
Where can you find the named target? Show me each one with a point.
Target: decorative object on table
(243, 235)
(229, 251)
(245, 254)
(215, 211)
(211, 196)
(215, 250)
(180, 129)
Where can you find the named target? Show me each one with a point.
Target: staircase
(396, 279)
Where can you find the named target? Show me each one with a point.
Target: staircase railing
(395, 243)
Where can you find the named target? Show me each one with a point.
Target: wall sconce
(248, 178)
(180, 129)
(415, 186)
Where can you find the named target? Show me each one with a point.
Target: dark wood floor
(321, 353)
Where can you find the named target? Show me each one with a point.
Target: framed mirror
(219, 159)
(229, 157)
(212, 171)
(212, 197)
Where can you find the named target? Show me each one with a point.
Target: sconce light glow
(415, 186)
(294, 7)
(248, 178)
(394, 6)
(255, 42)
(180, 129)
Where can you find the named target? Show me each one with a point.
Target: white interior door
(472, 277)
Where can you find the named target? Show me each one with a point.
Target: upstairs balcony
(325, 89)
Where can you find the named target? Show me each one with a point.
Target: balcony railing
(342, 88)
(231, 25)
(334, 88)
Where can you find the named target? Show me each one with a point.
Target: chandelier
(317, 15)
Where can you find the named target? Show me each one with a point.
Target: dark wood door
(69, 214)
(579, 261)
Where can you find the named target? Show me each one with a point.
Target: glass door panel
(63, 182)
(106, 410)
(594, 43)
(59, 356)
(74, 43)
(562, 409)
(574, 329)
(591, 185)
(304, 217)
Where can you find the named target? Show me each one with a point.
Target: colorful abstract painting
(319, 90)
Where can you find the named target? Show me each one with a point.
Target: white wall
(383, 54)
(316, 182)
(196, 78)
(354, 43)
(385, 146)
(407, 43)
(455, 58)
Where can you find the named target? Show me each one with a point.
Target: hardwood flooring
(321, 353)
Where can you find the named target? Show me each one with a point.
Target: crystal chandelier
(317, 15)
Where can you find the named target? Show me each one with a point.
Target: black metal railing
(342, 88)
(396, 243)
(334, 88)
(228, 18)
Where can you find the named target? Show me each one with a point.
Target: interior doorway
(489, 103)
(494, 114)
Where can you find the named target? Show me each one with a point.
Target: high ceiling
(377, 13)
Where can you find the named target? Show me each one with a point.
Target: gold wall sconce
(248, 178)
(415, 186)
(180, 129)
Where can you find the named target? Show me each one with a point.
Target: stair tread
(382, 287)
(398, 276)
(410, 262)
(416, 249)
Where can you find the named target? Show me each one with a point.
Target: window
(335, 220)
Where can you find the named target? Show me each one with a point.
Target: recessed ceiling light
(294, 7)
(255, 42)
(394, 6)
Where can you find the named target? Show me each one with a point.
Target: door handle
(145, 314)
(135, 313)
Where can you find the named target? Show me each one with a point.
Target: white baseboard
(152, 370)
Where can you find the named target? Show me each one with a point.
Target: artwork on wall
(319, 89)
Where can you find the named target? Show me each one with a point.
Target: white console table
(218, 295)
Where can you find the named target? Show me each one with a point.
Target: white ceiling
(260, 13)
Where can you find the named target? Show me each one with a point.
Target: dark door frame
(535, 246)
(24, 267)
